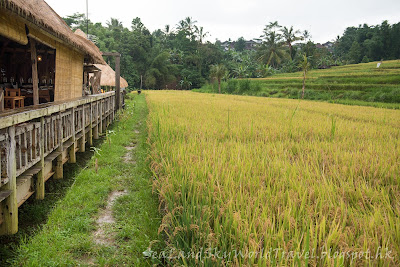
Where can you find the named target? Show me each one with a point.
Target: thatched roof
(42, 15)
(107, 73)
(108, 76)
(80, 33)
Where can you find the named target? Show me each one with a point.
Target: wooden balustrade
(34, 145)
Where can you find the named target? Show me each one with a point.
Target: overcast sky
(235, 18)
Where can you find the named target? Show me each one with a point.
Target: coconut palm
(200, 33)
(188, 25)
(290, 36)
(306, 36)
(218, 72)
(304, 66)
(272, 50)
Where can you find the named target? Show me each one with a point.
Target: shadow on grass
(34, 213)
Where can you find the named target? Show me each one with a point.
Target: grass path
(108, 217)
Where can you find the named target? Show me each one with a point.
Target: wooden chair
(13, 98)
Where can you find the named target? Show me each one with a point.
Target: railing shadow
(34, 213)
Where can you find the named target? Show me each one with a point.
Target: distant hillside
(358, 84)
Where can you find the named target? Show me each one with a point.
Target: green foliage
(355, 53)
(361, 84)
(218, 72)
(240, 44)
(375, 42)
(190, 58)
(66, 238)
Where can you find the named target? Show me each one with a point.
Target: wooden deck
(36, 141)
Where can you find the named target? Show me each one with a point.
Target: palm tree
(272, 49)
(200, 33)
(271, 26)
(114, 24)
(218, 72)
(188, 25)
(305, 66)
(306, 36)
(290, 36)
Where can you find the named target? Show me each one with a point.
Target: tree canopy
(180, 58)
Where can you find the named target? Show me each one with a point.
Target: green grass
(67, 236)
(358, 84)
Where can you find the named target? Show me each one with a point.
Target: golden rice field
(275, 182)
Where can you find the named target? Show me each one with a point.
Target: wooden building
(38, 47)
(107, 81)
(105, 73)
(48, 117)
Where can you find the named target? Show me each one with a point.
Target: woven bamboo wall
(69, 73)
(12, 28)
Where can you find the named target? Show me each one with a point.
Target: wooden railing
(35, 143)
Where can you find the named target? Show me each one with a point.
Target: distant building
(327, 45)
(250, 45)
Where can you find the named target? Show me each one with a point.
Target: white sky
(235, 18)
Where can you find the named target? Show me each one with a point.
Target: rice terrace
(254, 144)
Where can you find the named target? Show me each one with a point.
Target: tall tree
(272, 51)
(218, 72)
(304, 66)
(290, 36)
(240, 44)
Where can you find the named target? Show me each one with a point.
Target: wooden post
(117, 80)
(59, 172)
(83, 138)
(10, 224)
(72, 154)
(1, 100)
(91, 125)
(85, 79)
(35, 79)
(40, 175)
(101, 116)
(96, 127)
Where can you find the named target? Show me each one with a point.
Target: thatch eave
(50, 22)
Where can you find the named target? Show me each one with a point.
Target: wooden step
(4, 194)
